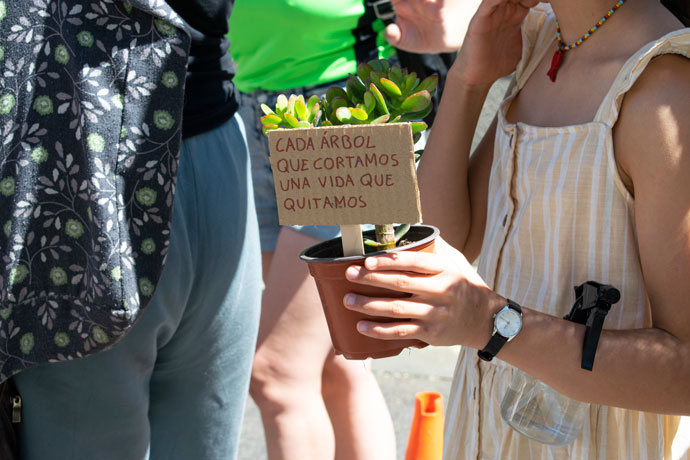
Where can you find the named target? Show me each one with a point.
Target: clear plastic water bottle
(539, 412)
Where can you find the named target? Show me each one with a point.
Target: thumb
(393, 34)
(404, 37)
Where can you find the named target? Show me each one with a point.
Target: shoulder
(664, 70)
(652, 134)
(661, 95)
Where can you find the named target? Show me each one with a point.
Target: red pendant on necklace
(555, 64)
(562, 47)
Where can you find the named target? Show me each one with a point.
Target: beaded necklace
(562, 47)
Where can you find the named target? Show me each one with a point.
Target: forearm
(443, 170)
(641, 369)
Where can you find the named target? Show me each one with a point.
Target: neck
(576, 17)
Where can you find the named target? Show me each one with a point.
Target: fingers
(430, 26)
(388, 307)
(406, 36)
(405, 271)
(529, 3)
(390, 331)
(393, 34)
(522, 3)
(410, 283)
(420, 8)
(408, 261)
(521, 7)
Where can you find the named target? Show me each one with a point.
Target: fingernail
(371, 262)
(349, 300)
(361, 327)
(352, 272)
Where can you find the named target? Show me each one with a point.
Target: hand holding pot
(449, 304)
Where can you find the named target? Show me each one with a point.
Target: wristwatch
(507, 324)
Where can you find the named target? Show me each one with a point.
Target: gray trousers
(176, 386)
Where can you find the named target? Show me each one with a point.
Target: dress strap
(537, 35)
(676, 42)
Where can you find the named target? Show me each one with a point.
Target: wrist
(484, 321)
(507, 324)
(459, 78)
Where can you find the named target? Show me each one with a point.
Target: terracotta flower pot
(327, 266)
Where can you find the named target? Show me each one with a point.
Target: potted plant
(379, 93)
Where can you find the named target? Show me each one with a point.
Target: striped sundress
(535, 251)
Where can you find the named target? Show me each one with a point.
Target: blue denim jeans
(175, 387)
(264, 188)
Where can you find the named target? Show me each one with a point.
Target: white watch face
(508, 322)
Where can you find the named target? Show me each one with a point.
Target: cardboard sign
(361, 174)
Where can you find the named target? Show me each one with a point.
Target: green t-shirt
(286, 44)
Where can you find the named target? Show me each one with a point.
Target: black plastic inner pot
(332, 249)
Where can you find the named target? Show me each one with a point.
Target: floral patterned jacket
(91, 96)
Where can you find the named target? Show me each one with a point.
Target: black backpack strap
(10, 416)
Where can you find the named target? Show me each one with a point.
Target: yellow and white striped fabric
(559, 215)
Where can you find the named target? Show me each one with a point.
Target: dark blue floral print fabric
(91, 100)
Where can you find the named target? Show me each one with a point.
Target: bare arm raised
(447, 177)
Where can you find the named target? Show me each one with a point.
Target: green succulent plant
(377, 93)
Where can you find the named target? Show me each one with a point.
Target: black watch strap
(491, 349)
(497, 340)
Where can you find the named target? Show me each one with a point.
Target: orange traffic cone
(426, 433)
